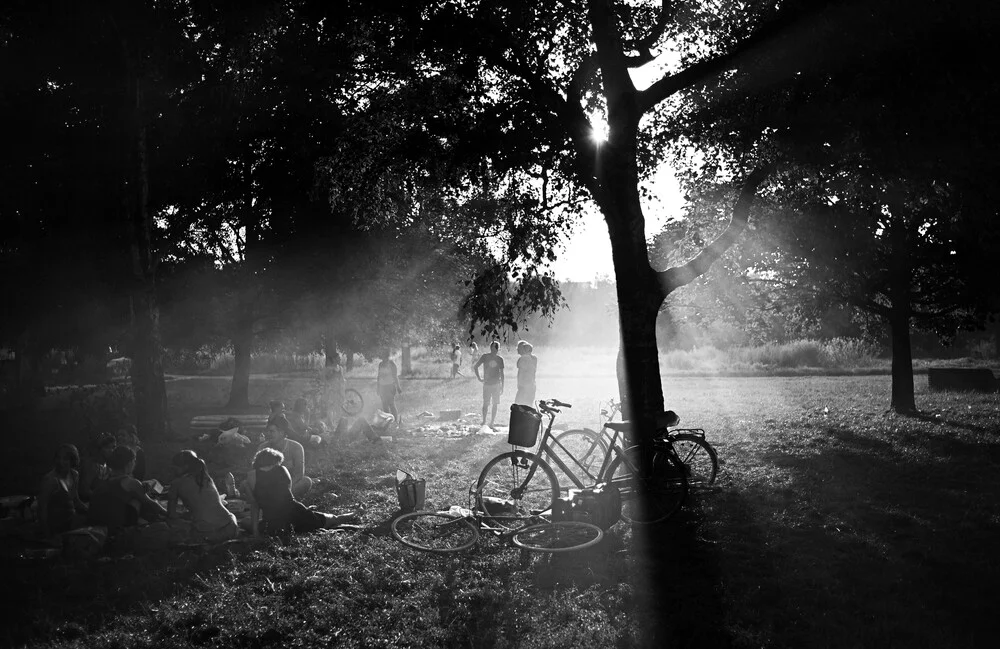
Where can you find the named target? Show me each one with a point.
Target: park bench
(978, 379)
(252, 423)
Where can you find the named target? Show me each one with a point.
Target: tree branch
(706, 69)
(644, 44)
(674, 278)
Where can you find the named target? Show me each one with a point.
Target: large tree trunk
(148, 385)
(239, 393)
(899, 315)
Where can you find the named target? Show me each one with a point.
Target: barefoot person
(456, 361)
(527, 364)
(273, 508)
(492, 380)
(209, 520)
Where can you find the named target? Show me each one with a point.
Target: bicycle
(458, 529)
(698, 456)
(523, 482)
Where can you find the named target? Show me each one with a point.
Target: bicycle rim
(433, 532)
(699, 459)
(653, 498)
(353, 403)
(561, 536)
(583, 451)
(505, 496)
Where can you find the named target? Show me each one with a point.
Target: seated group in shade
(110, 496)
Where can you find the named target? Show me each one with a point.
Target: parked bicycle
(522, 483)
(700, 459)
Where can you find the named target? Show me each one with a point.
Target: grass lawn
(833, 524)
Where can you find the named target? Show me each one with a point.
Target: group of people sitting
(103, 490)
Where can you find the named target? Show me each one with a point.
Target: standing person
(473, 354)
(456, 361)
(388, 386)
(527, 364)
(492, 380)
(59, 506)
(210, 521)
(270, 495)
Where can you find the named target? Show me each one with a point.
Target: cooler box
(524, 424)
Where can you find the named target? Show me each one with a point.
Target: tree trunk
(407, 368)
(899, 314)
(239, 392)
(148, 385)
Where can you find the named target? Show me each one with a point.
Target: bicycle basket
(410, 491)
(524, 424)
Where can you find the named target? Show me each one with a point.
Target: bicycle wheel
(699, 458)
(653, 498)
(561, 536)
(582, 450)
(353, 402)
(515, 486)
(435, 532)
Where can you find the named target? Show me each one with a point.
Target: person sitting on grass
(273, 508)
(492, 380)
(94, 467)
(210, 521)
(303, 427)
(293, 453)
(59, 506)
(120, 504)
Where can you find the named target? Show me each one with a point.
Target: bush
(224, 364)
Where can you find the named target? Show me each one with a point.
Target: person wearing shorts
(388, 386)
(492, 380)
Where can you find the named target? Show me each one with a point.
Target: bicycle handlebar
(552, 405)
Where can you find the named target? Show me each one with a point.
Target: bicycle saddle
(662, 420)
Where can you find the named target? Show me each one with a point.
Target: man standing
(492, 379)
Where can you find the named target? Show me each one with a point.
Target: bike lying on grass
(459, 529)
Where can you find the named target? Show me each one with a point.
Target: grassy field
(834, 524)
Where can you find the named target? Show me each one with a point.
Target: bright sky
(588, 251)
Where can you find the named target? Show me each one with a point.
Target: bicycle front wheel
(561, 536)
(353, 402)
(435, 532)
(515, 486)
(583, 451)
(699, 458)
(651, 498)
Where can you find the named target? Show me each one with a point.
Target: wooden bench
(978, 379)
(206, 423)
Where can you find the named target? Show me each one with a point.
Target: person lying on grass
(59, 506)
(121, 500)
(270, 494)
(293, 452)
(209, 521)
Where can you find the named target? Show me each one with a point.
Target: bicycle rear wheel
(698, 457)
(353, 402)
(515, 486)
(582, 450)
(653, 498)
(435, 532)
(561, 536)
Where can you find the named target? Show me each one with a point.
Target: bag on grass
(410, 491)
